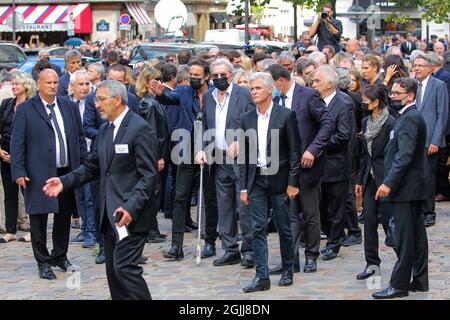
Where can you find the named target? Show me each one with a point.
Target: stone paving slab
(184, 280)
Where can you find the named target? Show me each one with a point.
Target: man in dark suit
(315, 127)
(47, 140)
(72, 60)
(223, 106)
(270, 170)
(124, 157)
(403, 183)
(408, 46)
(338, 165)
(432, 101)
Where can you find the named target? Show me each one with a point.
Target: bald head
(48, 84)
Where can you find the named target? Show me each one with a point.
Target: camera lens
(324, 15)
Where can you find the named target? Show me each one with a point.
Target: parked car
(28, 65)
(11, 55)
(56, 52)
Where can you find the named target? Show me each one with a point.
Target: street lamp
(14, 21)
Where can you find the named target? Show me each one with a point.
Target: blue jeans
(85, 208)
(259, 197)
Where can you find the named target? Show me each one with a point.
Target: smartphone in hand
(118, 216)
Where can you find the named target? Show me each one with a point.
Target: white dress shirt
(329, 98)
(221, 117)
(289, 96)
(263, 128)
(405, 107)
(81, 108)
(60, 120)
(118, 122)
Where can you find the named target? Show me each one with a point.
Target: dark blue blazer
(92, 119)
(173, 114)
(63, 85)
(444, 75)
(315, 127)
(33, 149)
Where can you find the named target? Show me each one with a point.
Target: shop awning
(47, 17)
(138, 13)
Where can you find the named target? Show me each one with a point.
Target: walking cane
(199, 209)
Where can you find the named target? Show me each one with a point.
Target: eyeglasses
(421, 65)
(101, 99)
(396, 93)
(219, 75)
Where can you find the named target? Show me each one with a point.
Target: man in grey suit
(223, 106)
(432, 102)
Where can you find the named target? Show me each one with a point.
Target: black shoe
(279, 269)
(351, 241)
(365, 273)
(45, 272)
(208, 250)
(329, 255)
(287, 279)
(417, 288)
(175, 253)
(257, 284)
(168, 215)
(154, 237)
(247, 260)
(323, 236)
(323, 250)
(142, 260)
(302, 245)
(100, 258)
(63, 265)
(194, 201)
(430, 221)
(187, 229)
(310, 265)
(192, 225)
(75, 224)
(390, 293)
(228, 259)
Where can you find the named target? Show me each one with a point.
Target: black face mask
(196, 83)
(221, 84)
(396, 105)
(365, 109)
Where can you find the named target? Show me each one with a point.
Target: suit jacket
(173, 114)
(92, 119)
(376, 161)
(444, 76)
(434, 108)
(404, 162)
(33, 149)
(153, 112)
(404, 48)
(315, 127)
(285, 121)
(338, 166)
(127, 180)
(63, 85)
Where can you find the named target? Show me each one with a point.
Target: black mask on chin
(196, 83)
(396, 105)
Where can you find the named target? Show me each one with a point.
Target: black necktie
(77, 103)
(110, 142)
(62, 149)
(283, 100)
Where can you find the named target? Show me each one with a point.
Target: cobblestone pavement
(185, 280)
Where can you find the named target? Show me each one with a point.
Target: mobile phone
(118, 216)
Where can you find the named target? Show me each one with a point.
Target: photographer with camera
(327, 28)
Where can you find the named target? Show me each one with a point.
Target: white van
(225, 35)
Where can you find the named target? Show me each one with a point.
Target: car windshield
(154, 52)
(11, 54)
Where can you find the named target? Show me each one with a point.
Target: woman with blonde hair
(242, 78)
(155, 114)
(23, 87)
(247, 64)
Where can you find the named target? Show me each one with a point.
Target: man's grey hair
(424, 56)
(266, 77)
(115, 89)
(415, 54)
(345, 79)
(318, 57)
(183, 74)
(392, 49)
(265, 63)
(220, 62)
(330, 74)
(79, 73)
(41, 53)
(99, 68)
(435, 59)
(437, 43)
(71, 54)
(286, 55)
(302, 64)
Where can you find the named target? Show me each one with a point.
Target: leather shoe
(78, 238)
(142, 260)
(310, 265)
(365, 273)
(413, 286)
(174, 253)
(45, 272)
(287, 279)
(323, 250)
(329, 255)
(279, 269)
(430, 221)
(257, 284)
(228, 259)
(208, 250)
(100, 259)
(390, 293)
(187, 229)
(248, 260)
(63, 265)
(440, 198)
(89, 240)
(351, 241)
(75, 224)
(155, 237)
(192, 225)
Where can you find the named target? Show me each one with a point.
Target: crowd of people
(361, 136)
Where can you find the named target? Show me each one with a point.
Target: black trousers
(430, 183)
(155, 203)
(185, 180)
(11, 198)
(371, 209)
(351, 221)
(95, 192)
(412, 245)
(60, 232)
(442, 183)
(332, 212)
(122, 269)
